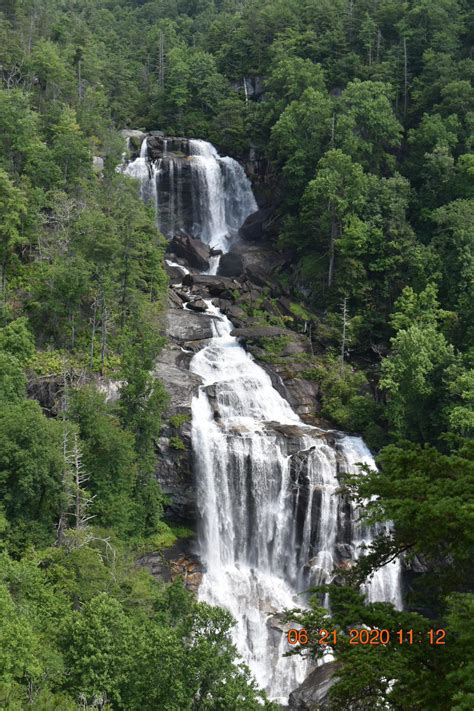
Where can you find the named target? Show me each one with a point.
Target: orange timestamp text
(363, 636)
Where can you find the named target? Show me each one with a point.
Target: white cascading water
(223, 198)
(242, 477)
(272, 518)
(385, 582)
(220, 192)
(146, 172)
(260, 542)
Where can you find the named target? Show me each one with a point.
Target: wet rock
(175, 475)
(182, 295)
(175, 274)
(133, 138)
(184, 325)
(302, 394)
(174, 300)
(215, 285)
(181, 384)
(158, 145)
(292, 431)
(195, 346)
(253, 229)
(313, 693)
(231, 265)
(178, 561)
(189, 569)
(195, 252)
(197, 305)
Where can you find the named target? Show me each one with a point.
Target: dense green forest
(361, 115)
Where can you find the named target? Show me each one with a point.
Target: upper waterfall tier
(196, 191)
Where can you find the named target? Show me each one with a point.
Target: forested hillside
(357, 118)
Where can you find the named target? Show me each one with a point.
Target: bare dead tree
(82, 499)
(13, 76)
(66, 481)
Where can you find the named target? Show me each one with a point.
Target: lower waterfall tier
(272, 518)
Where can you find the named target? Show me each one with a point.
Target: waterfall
(223, 197)
(272, 520)
(146, 172)
(196, 191)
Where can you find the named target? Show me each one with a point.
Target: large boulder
(175, 274)
(195, 252)
(253, 229)
(198, 305)
(231, 265)
(313, 693)
(257, 263)
(185, 325)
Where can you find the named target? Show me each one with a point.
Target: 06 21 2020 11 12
(362, 635)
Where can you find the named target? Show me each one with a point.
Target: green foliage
(179, 420)
(76, 627)
(177, 443)
(300, 312)
(30, 471)
(346, 399)
(109, 456)
(413, 373)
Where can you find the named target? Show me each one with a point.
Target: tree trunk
(103, 333)
(161, 61)
(343, 339)
(332, 247)
(94, 325)
(405, 77)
